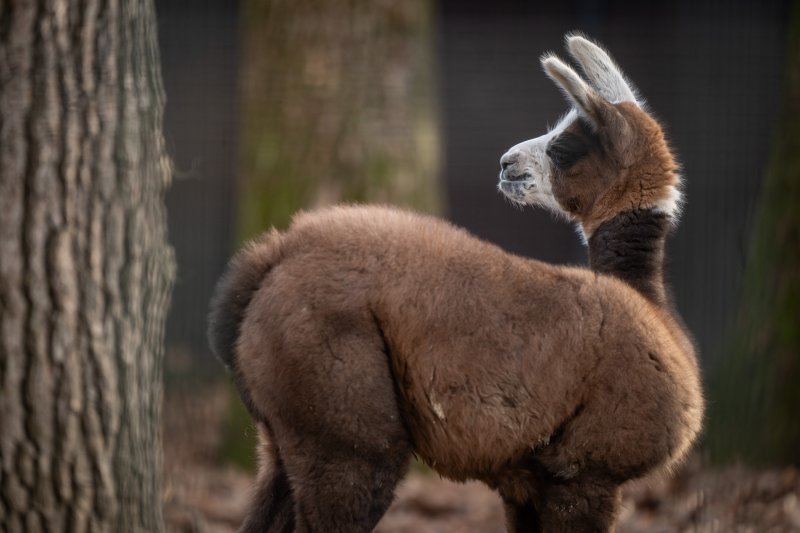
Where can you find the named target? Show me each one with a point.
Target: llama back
(242, 278)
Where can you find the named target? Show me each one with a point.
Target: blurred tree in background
(754, 412)
(338, 104)
(85, 268)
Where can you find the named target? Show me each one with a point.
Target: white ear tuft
(601, 70)
(582, 96)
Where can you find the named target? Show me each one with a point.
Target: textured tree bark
(85, 268)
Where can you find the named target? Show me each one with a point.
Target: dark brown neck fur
(631, 247)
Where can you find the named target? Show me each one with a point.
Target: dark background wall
(200, 65)
(711, 70)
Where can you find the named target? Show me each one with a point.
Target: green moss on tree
(337, 105)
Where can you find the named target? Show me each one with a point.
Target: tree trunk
(755, 397)
(338, 105)
(85, 269)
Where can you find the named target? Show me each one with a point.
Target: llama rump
(363, 335)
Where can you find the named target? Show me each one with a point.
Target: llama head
(605, 156)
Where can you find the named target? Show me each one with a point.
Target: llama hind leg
(336, 419)
(345, 493)
(272, 505)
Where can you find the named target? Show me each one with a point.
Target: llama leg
(580, 505)
(590, 457)
(272, 505)
(334, 413)
(345, 493)
(522, 518)
(520, 487)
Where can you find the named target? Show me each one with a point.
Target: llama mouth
(508, 177)
(515, 190)
(519, 183)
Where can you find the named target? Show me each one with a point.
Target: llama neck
(631, 247)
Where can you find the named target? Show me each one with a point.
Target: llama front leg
(581, 504)
(522, 518)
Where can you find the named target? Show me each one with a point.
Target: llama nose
(507, 160)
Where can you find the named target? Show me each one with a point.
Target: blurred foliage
(338, 105)
(754, 411)
(240, 434)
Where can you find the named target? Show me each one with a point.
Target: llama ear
(589, 104)
(600, 70)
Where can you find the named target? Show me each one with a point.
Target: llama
(363, 335)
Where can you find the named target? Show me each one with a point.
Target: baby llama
(363, 335)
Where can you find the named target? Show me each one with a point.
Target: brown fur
(628, 166)
(380, 332)
(362, 335)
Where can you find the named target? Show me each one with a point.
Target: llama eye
(566, 149)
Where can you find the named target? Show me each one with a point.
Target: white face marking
(525, 177)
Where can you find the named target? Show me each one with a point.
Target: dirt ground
(203, 496)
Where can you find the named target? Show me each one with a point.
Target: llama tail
(235, 290)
